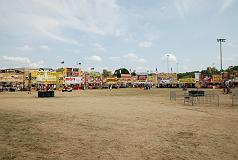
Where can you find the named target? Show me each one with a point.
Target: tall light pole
(220, 41)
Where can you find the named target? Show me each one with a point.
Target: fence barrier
(188, 98)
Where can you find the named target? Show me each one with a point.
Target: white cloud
(52, 18)
(184, 68)
(231, 60)
(132, 57)
(186, 7)
(46, 47)
(37, 64)
(170, 57)
(226, 4)
(116, 58)
(21, 62)
(25, 48)
(140, 69)
(145, 44)
(94, 58)
(183, 6)
(163, 8)
(18, 60)
(76, 51)
(98, 47)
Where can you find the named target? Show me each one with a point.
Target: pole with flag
(80, 68)
(62, 62)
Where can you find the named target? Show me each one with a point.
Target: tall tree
(120, 71)
(106, 73)
(59, 69)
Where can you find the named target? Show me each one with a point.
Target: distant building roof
(46, 69)
(11, 71)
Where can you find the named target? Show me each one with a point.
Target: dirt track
(121, 124)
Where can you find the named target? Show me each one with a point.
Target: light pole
(220, 41)
(80, 68)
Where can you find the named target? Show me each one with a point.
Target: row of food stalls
(87, 80)
(21, 79)
(167, 80)
(11, 79)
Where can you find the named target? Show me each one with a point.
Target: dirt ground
(118, 124)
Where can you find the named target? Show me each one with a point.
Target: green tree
(133, 73)
(59, 69)
(120, 71)
(106, 73)
(210, 71)
(187, 75)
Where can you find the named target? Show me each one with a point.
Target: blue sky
(136, 34)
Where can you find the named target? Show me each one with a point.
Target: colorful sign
(216, 78)
(72, 72)
(187, 80)
(125, 78)
(52, 77)
(94, 77)
(168, 76)
(111, 80)
(142, 78)
(73, 80)
(43, 76)
(75, 74)
(197, 77)
(11, 77)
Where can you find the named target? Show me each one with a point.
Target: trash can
(43, 94)
(195, 93)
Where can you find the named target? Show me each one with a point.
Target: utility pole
(221, 41)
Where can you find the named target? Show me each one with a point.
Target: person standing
(29, 89)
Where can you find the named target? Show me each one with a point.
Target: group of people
(147, 86)
(227, 87)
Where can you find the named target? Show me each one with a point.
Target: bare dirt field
(121, 124)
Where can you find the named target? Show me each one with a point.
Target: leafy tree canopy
(120, 71)
(106, 73)
(59, 69)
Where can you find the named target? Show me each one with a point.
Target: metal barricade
(212, 98)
